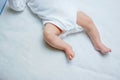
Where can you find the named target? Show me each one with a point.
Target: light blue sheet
(2, 5)
(25, 56)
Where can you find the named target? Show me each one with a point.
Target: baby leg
(85, 21)
(51, 33)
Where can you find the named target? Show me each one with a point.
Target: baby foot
(102, 48)
(69, 53)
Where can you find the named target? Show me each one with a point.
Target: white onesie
(61, 13)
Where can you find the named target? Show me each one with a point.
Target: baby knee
(89, 21)
(47, 32)
(48, 36)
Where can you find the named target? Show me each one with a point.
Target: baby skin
(51, 33)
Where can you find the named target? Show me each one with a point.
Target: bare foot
(102, 48)
(69, 53)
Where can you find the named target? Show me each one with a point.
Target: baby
(61, 17)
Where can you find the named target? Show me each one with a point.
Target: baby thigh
(51, 36)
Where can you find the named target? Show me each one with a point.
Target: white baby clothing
(62, 13)
(17, 5)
